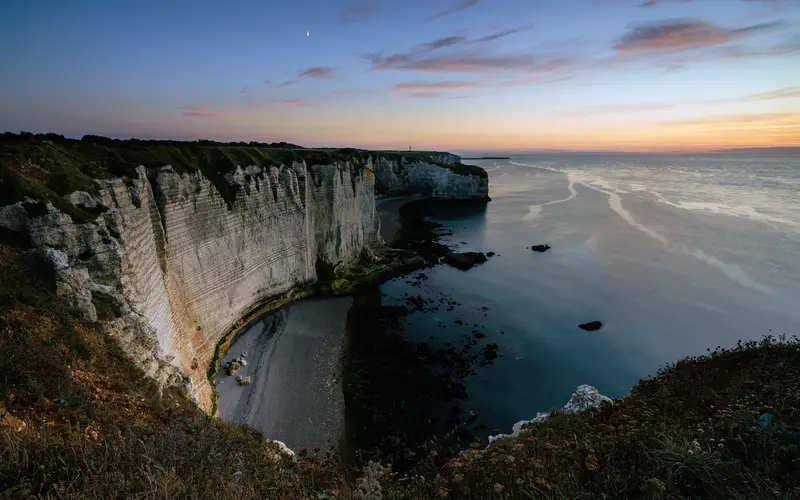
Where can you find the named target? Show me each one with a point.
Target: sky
(458, 75)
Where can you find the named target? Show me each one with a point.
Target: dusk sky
(461, 75)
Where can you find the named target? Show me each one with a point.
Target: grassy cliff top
(725, 425)
(49, 166)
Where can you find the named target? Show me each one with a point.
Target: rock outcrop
(397, 175)
(169, 261)
(591, 326)
(465, 260)
(584, 398)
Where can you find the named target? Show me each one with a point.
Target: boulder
(465, 260)
(591, 326)
(234, 365)
(490, 254)
(540, 248)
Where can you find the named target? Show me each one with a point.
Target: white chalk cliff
(404, 176)
(180, 266)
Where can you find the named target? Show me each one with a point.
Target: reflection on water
(674, 256)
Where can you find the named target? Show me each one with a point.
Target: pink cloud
(298, 102)
(434, 87)
(317, 72)
(674, 35)
(205, 112)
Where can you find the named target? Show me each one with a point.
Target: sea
(674, 254)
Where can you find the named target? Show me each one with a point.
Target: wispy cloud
(207, 111)
(357, 12)
(674, 35)
(458, 7)
(653, 3)
(204, 111)
(620, 108)
(434, 86)
(460, 89)
(319, 72)
(466, 63)
(501, 34)
(784, 93)
(280, 85)
(786, 118)
(465, 56)
(433, 95)
(787, 93)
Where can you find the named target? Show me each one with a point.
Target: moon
(308, 33)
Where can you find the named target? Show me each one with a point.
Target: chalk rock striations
(177, 267)
(168, 263)
(398, 175)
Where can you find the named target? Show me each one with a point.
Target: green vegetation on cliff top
(77, 420)
(48, 166)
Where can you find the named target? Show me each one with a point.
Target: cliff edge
(168, 245)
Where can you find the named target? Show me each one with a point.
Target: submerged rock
(540, 248)
(490, 351)
(591, 326)
(490, 254)
(465, 260)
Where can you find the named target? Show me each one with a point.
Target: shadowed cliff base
(402, 396)
(389, 214)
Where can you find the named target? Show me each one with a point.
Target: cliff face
(169, 268)
(169, 258)
(444, 177)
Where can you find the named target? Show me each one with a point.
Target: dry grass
(96, 428)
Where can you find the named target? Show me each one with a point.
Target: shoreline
(298, 353)
(294, 360)
(389, 215)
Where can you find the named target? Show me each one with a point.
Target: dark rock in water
(490, 254)
(591, 326)
(540, 248)
(463, 434)
(394, 311)
(471, 417)
(490, 351)
(465, 260)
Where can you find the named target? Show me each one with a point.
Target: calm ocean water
(674, 254)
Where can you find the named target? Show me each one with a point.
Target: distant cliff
(168, 246)
(439, 175)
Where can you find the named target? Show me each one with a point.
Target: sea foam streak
(535, 210)
(732, 271)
